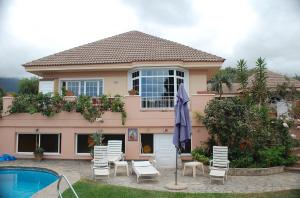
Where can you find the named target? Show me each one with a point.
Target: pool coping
(31, 168)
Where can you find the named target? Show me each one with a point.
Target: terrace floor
(75, 170)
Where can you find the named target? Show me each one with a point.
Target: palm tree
(242, 74)
(219, 79)
(259, 88)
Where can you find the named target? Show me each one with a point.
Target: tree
(242, 75)
(297, 77)
(2, 92)
(29, 86)
(259, 88)
(226, 120)
(219, 79)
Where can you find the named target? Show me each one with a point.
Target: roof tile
(128, 47)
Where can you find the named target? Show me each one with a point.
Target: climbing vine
(89, 108)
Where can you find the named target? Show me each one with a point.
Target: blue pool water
(23, 183)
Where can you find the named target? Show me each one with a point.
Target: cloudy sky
(232, 29)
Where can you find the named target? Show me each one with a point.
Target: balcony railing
(159, 102)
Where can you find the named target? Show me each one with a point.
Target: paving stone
(76, 169)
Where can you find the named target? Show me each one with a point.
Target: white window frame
(147, 154)
(82, 79)
(79, 85)
(98, 86)
(39, 143)
(76, 144)
(88, 154)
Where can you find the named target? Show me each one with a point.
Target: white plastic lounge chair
(220, 159)
(144, 169)
(100, 162)
(114, 151)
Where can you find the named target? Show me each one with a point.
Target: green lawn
(86, 189)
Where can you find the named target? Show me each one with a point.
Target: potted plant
(69, 93)
(133, 92)
(38, 154)
(95, 139)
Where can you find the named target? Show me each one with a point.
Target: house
(273, 80)
(152, 66)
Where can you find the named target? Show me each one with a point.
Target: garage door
(164, 150)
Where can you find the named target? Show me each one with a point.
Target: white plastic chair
(114, 150)
(100, 162)
(220, 159)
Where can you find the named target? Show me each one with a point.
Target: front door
(165, 152)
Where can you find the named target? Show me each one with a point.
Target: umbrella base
(179, 186)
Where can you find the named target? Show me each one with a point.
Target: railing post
(69, 184)
(7, 102)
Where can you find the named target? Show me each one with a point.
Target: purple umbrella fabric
(183, 129)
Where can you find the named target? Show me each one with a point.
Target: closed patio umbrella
(182, 131)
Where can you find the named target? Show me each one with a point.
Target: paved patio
(75, 170)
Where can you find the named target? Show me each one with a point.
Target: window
(49, 142)
(147, 143)
(157, 87)
(92, 88)
(83, 141)
(114, 137)
(187, 148)
(74, 87)
(136, 81)
(27, 142)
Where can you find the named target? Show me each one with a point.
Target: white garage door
(165, 151)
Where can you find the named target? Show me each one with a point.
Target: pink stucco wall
(69, 124)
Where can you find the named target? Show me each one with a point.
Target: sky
(232, 29)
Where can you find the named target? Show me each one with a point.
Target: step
(294, 169)
(295, 149)
(297, 164)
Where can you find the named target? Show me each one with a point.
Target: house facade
(152, 66)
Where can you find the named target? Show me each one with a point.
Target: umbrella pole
(176, 166)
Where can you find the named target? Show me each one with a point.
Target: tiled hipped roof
(274, 79)
(128, 47)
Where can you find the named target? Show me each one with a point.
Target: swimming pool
(24, 182)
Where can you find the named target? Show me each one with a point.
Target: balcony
(159, 102)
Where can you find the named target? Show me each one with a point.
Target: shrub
(275, 156)
(29, 86)
(69, 106)
(49, 106)
(226, 120)
(243, 161)
(199, 155)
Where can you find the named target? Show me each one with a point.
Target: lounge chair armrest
(101, 167)
(153, 162)
(210, 162)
